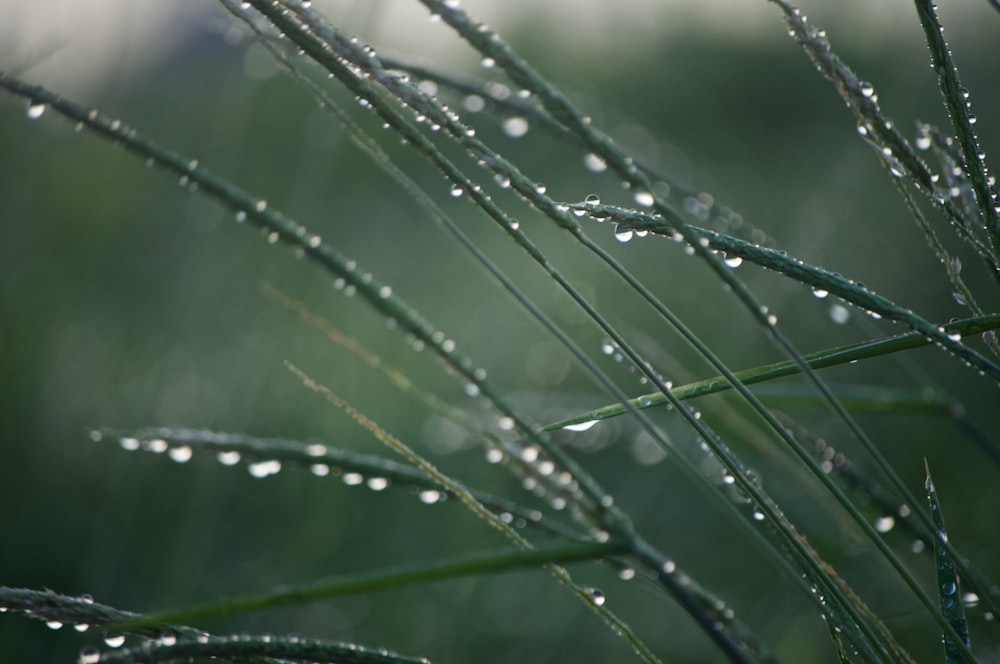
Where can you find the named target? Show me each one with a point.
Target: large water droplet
(623, 234)
(884, 524)
(180, 454)
(643, 199)
(592, 199)
(114, 640)
(594, 163)
(580, 426)
(35, 110)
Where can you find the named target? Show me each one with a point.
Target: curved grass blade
(58, 610)
(265, 456)
(862, 398)
(249, 647)
(491, 562)
(949, 592)
(818, 360)
(956, 100)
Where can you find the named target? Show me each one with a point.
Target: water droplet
(81, 627)
(241, 217)
(529, 454)
(884, 524)
(474, 103)
(580, 426)
(378, 483)
(626, 574)
(819, 293)
(180, 454)
(168, 639)
(430, 496)
(472, 389)
(54, 624)
(592, 199)
(90, 655)
(514, 224)
(515, 127)
(623, 234)
(540, 189)
(923, 142)
(353, 479)
(839, 314)
(594, 163)
(595, 596)
(262, 469)
(114, 640)
(758, 515)
(35, 110)
(494, 455)
(867, 89)
(260, 205)
(502, 181)
(319, 469)
(668, 567)
(230, 458)
(733, 261)
(643, 199)
(456, 191)
(949, 588)
(488, 63)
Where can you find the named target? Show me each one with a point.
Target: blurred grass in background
(126, 301)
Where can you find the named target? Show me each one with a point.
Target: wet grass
(563, 508)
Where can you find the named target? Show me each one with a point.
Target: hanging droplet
(819, 293)
(622, 233)
(35, 110)
(580, 426)
(733, 261)
(353, 479)
(594, 163)
(181, 454)
(430, 496)
(378, 483)
(488, 63)
(114, 640)
(230, 458)
(884, 524)
(456, 191)
(643, 199)
(595, 596)
(867, 89)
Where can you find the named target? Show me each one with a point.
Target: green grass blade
(956, 100)
(492, 562)
(949, 591)
(248, 647)
(818, 360)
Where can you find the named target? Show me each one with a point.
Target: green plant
(744, 461)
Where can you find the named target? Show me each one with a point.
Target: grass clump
(631, 442)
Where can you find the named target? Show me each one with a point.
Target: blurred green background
(126, 301)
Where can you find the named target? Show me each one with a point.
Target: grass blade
(949, 591)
